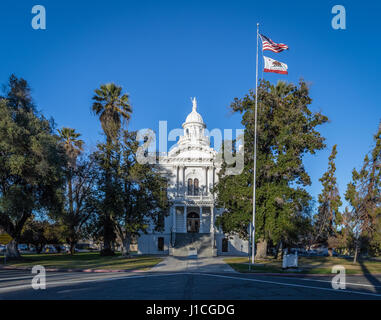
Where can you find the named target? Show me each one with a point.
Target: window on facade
(160, 244)
(196, 187)
(160, 221)
(225, 245)
(190, 187)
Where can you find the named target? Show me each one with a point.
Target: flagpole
(255, 153)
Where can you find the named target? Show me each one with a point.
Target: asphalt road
(184, 279)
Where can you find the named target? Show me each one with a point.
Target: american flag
(268, 44)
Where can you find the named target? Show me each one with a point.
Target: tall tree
(113, 109)
(286, 132)
(328, 217)
(364, 197)
(31, 162)
(143, 198)
(80, 201)
(72, 145)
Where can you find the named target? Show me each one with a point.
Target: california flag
(272, 65)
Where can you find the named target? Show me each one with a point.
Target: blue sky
(164, 52)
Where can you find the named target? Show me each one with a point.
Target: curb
(293, 274)
(74, 270)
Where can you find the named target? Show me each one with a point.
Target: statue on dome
(194, 102)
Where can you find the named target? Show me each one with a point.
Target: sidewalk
(184, 264)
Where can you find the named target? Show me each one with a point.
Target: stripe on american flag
(268, 44)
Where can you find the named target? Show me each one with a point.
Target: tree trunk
(14, 231)
(39, 247)
(357, 248)
(71, 206)
(126, 246)
(261, 251)
(12, 250)
(278, 250)
(107, 227)
(72, 247)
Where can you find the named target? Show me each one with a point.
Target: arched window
(196, 188)
(190, 187)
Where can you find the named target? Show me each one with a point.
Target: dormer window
(196, 187)
(193, 187)
(190, 187)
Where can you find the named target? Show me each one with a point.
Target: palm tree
(73, 147)
(113, 109)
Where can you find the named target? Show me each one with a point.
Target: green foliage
(113, 110)
(41, 232)
(80, 201)
(328, 217)
(286, 132)
(79, 196)
(72, 145)
(138, 190)
(31, 162)
(363, 220)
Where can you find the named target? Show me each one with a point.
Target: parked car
(23, 247)
(312, 253)
(49, 249)
(62, 248)
(32, 249)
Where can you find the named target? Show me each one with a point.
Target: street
(187, 279)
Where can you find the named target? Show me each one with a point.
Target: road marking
(71, 290)
(319, 280)
(17, 278)
(84, 280)
(294, 285)
(89, 280)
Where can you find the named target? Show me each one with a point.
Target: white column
(183, 179)
(177, 180)
(185, 218)
(213, 177)
(173, 209)
(210, 177)
(206, 181)
(201, 224)
(211, 220)
(212, 225)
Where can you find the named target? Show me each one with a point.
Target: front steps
(193, 244)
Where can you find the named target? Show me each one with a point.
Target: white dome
(194, 116)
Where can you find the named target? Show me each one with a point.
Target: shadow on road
(371, 278)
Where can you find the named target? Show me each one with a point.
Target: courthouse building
(191, 169)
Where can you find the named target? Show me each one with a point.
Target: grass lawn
(307, 265)
(88, 260)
